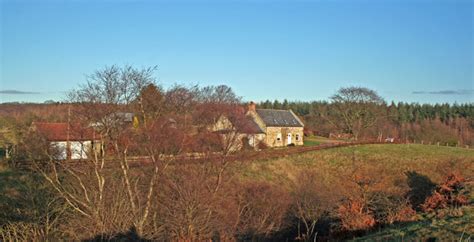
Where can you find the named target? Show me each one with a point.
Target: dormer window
(278, 136)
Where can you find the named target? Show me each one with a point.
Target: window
(278, 136)
(297, 137)
(79, 150)
(59, 150)
(252, 141)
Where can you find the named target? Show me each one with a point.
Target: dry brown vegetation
(138, 183)
(328, 194)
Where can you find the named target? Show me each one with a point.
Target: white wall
(78, 149)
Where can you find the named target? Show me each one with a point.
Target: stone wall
(271, 138)
(223, 123)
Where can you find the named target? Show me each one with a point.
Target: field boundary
(265, 154)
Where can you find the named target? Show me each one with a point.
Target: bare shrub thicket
(109, 193)
(29, 210)
(371, 198)
(311, 203)
(139, 180)
(263, 209)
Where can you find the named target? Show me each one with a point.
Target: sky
(411, 51)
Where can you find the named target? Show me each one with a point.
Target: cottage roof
(64, 132)
(250, 126)
(279, 118)
(246, 125)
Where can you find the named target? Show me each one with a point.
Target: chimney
(251, 106)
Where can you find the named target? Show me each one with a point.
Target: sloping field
(395, 159)
(392, 168)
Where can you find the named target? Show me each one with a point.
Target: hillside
(392, 168)
(324, 177)
(434, 161)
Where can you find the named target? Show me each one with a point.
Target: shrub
(355, 216)
(390, 208)
(451, 193)
(22, 232)
(405, 214)
(264, 209)
(311, 203)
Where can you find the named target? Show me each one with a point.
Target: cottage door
(289, 139)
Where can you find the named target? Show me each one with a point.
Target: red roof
(65, 132)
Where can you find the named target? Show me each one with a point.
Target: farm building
(67, 141)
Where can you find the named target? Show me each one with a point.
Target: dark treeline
(446, 123)
(402, 112)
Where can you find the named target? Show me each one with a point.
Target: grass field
(392, 158)
(317, 140)
(390, 164)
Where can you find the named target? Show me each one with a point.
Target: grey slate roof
(279, 118)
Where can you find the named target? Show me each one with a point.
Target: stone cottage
(280, 127)
(274, 128)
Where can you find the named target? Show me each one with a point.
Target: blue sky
(414, 51)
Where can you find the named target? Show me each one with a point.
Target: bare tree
(138, 175)
(218, 94)
(354, 109)
(89, 188)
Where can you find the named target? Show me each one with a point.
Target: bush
(451, 193)
(22, 232)
(355, 216)
(264, 209)
(390, 208)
